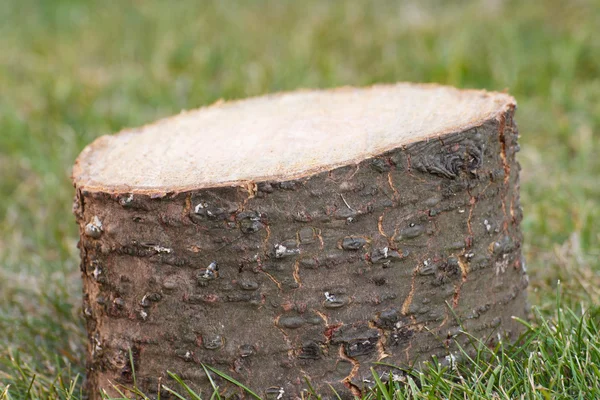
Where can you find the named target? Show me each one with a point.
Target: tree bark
(317, 274)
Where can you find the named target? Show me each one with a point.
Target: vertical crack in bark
(444, 321)
(286, 338)
(381, 230)
(320, 237)
(355, 367)
(505, 222)
(512, 209)
(392, 240)
(464, 269)
(187, 208)
(409, 168)
(472, 201)
(252, 189)
(391, 183)
(407, 350)
(461, 260)
(505, 164)
(296, 273)
(456, 296)
(329, 329)
(81, 201)
(323, 316)
(409, 298)
(502, 138)
(381, 354)
(266, 239)
(380, 225)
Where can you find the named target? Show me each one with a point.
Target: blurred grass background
(72, 70)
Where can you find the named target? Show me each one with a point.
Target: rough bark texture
(317, 277)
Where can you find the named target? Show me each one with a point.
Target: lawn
(73, 70)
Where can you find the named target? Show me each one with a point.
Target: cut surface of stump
(279, 137)
(304, 234)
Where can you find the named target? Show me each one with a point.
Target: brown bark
(321, 276)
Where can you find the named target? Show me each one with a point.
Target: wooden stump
(306, 234)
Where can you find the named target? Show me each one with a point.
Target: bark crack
(296, 273)
(323, 317)
(461, 257)
(381, 354)
(380, 225)
(407, 350)
(188, 206)
(391, 183)
(347, 381)
(252, 189)
(271, 277)
(512, 209)
(446, 317)
(409, 298)
(81, 201)
(320, 237)
(290, 351)
(505, 223)
(472, 202)
(502, 138)
(409, 169)
(266, 239)
(505, 164)
(464, 269)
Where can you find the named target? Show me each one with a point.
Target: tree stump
(306, 234)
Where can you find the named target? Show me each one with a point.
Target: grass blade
(212, 383)
(174, 393)
(382, 388)
(189, 390)
(230, 379)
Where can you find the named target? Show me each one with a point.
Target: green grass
(73, 70)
